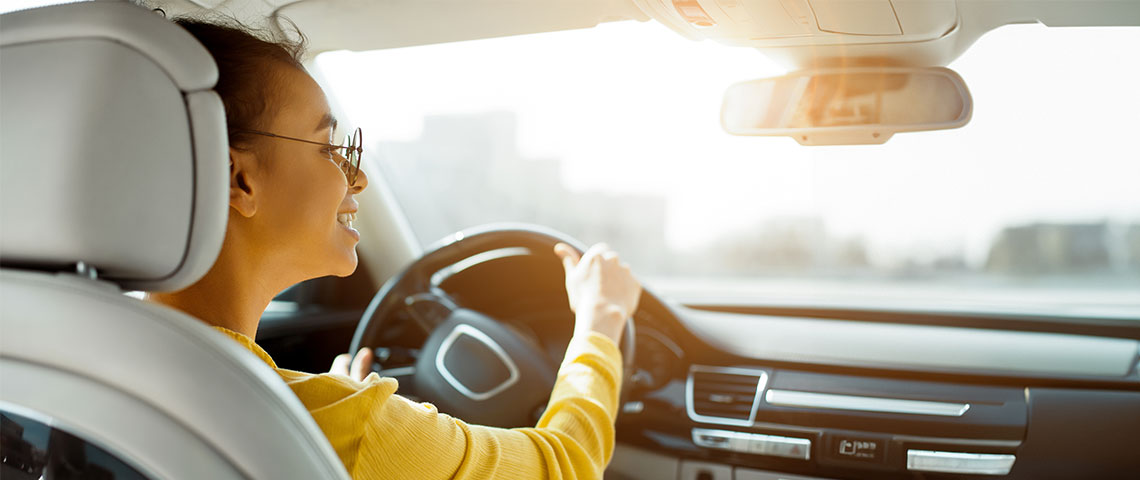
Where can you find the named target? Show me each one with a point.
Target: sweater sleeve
(379, 434)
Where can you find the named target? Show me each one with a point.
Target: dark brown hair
(249, 74)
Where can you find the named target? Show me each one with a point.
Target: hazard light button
(789, 447)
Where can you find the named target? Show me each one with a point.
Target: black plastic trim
(1100, 327)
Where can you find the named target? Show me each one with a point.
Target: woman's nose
(361, 182)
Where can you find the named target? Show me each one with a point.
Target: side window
(32, 450)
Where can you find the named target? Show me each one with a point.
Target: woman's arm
(379, 434)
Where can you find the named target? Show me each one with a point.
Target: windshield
(612, 134)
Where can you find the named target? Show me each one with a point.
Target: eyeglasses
(353, 150)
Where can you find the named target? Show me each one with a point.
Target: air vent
(724, 395)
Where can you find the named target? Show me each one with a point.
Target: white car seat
(113, 162)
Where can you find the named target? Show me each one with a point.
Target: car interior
(740, 363)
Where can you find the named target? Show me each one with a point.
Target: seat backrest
(113, 175)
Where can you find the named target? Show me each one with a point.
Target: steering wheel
(473, 366)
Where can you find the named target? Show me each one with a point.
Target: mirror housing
(848, 106)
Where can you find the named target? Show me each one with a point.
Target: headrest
(113, 149)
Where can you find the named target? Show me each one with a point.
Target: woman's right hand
(361, 365)
(603, 292)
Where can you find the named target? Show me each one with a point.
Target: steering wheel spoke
(429, 309)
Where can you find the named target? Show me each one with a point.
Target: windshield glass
(612, 134)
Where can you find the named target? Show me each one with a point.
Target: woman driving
(291, 198)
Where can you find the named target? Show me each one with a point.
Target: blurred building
(466, 170)
(786, 246)
(1058, 248)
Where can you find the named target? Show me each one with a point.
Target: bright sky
(635, 107)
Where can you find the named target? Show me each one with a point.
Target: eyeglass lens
(353, 156)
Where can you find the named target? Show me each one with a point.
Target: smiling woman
(291, 206)
(273, 240)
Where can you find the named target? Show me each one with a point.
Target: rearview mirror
(848, 106)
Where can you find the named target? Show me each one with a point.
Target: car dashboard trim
(794, 398)
(913, 347)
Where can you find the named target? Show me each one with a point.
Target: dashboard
(752, 395)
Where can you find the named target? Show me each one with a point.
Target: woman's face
(303, 197)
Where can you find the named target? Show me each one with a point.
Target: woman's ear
(243, 166)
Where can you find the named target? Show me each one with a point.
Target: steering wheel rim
(419, 283)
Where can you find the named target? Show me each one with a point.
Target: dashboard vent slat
(724, 395)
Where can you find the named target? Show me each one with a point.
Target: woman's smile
(346, 219)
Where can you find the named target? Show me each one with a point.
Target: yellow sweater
(379, 434)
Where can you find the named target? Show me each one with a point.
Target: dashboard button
(959, 462)
(788, 447)
(855, 448)
(721, 439)
(771, 445)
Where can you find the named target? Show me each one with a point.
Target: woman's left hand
(360, 366)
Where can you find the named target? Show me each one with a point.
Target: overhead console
(815, 33)
(768, 23)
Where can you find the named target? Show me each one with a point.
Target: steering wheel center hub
(476, 365)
